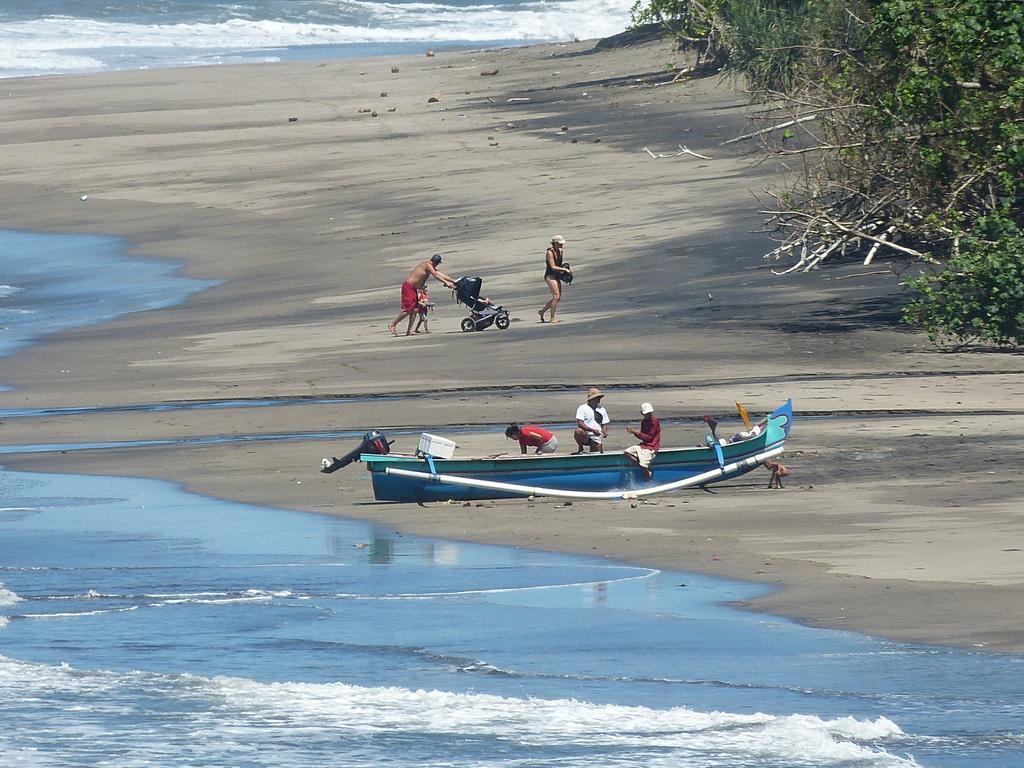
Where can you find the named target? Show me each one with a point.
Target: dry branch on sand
(682, 151)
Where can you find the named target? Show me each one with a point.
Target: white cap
(646, 408)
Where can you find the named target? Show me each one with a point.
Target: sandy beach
(310, 189)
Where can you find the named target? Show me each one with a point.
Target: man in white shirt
(591, 423)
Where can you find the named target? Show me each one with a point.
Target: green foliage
(919, 131)
(946, 80)
(693, 23)
(682, 17)
(766, 41)
(979, 295)
(957, 67)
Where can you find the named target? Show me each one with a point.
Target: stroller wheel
(468, 324)
(501, 321)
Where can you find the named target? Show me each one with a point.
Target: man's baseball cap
(435, 259)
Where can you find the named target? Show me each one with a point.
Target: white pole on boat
(705, 477)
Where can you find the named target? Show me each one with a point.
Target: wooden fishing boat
(420, 478)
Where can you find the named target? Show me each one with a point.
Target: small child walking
(423, 305)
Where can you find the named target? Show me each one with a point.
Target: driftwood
(878, 244)
(682, 151)
(835, 225)
(866, 274)
(852, 191)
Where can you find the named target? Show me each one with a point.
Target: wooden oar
(743, 415)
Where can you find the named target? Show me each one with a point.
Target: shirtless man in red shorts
(416, 280)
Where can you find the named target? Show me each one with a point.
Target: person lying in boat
(649, 436)
(754, 431)
(532, 436)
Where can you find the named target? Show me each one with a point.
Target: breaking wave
(68, 44)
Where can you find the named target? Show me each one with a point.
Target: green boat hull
(588, 472)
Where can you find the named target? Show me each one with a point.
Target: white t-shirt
(588, 416)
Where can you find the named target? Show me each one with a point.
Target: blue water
(145, 625)
(52, 283)
(68, 36)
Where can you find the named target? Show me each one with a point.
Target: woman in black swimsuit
(554, 273)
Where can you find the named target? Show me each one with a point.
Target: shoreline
(901, 527)
(739, 532)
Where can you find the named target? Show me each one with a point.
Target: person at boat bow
(649, 436)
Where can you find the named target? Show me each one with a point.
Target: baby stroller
(482, 311)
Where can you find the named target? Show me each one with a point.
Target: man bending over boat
(649, 436)
(422, 272)
(532, 436)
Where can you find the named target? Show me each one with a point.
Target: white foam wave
(8, 597)
(8, 290)
(77, 614)
(450, 24)
(45, 62)
(241, 709)
(569, 722)
(177, 598)
(25, 568)
(218, 600)
(63, 44)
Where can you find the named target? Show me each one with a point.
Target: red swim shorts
(408, 297)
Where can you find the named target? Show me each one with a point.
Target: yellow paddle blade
(743, 414)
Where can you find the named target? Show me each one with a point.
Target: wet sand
(311, 193)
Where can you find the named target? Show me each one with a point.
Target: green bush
(979, 294)
(767, 41)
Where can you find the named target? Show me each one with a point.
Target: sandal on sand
(541, 313)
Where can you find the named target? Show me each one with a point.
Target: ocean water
(143, 625)
(67, 36)
(51, 283)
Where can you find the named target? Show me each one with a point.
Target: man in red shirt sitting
(649, 436)
(532, 436)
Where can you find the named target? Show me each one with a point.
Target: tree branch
(769, 129)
